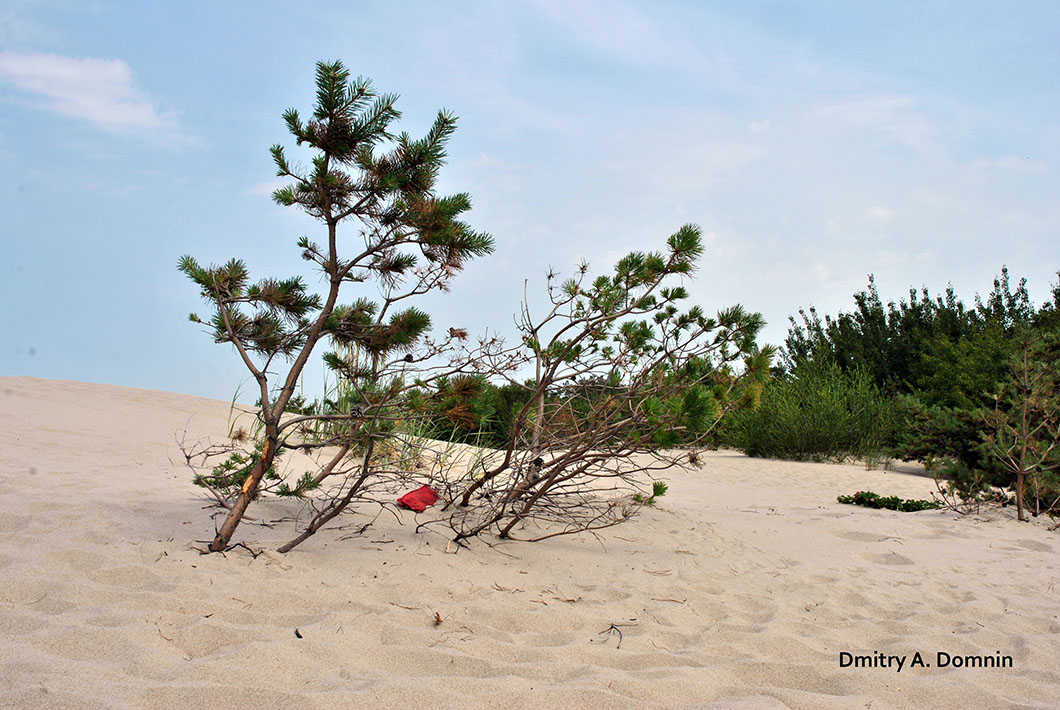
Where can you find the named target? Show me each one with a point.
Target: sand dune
(741, 589)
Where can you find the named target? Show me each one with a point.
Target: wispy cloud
(16, 29)
(715, 49)
(898, 117)
(267, 187)
(102, 92)
(622, 30)
(880, 213)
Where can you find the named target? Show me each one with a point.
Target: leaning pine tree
(624, 382)
(374, 193)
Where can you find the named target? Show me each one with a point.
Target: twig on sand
(359, 532)
(567, 599)
(244, 546)
(612, 630)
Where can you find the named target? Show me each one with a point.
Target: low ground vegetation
(873, 500)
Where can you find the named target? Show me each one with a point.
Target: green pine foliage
(227, 477)
(929, 432)
(1025, 423)
(623, 367)
(386, 233)
(353, 177)
(658, 490)
(819, 412)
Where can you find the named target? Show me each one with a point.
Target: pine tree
(1026, 418)
(374, 193)
(623, 374)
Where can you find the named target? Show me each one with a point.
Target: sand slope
(739, 591)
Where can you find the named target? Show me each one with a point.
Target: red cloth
(419, 499)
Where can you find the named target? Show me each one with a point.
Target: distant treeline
(964, 388)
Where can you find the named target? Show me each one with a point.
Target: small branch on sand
(253, 553)
(612, 630)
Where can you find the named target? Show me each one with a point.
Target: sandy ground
(741, 590)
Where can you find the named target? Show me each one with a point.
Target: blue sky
(814, 142)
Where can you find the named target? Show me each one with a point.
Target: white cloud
(100, 91)
(621, 29)
(759, 126)
(268, 187)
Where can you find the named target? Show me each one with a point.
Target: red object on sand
(419, 499)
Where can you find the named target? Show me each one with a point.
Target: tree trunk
(1019, 495)
(250, 485)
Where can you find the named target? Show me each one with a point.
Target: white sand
(739, 591)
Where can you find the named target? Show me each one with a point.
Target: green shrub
(930, 432)
(873, 500)
(819, 413)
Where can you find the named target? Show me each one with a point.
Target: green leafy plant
(873, 500)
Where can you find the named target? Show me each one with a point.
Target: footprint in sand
(892, 558)
(1034, 545)
(129, 577)
(860, 536)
